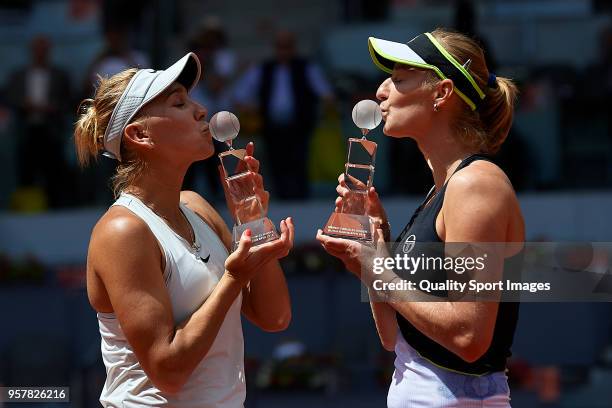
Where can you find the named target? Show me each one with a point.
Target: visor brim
(386, 54)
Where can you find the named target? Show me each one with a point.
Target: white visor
(393, 52)
(145, 85)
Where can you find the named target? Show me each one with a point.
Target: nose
(200, 112)
(382, 93)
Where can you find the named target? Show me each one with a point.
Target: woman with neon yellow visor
(442, 95)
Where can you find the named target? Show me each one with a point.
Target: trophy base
(349, 226)
(262, 231)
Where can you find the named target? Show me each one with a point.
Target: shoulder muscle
(479, 204)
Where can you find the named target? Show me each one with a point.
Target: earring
(436, 108)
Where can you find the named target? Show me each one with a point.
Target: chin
(208, 152)
(390, 132)
(397, 133)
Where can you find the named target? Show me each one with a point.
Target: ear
(444, 90)
(136, 136)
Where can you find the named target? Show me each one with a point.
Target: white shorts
(419, 383)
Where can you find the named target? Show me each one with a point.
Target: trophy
(248, 211)
(352, 222)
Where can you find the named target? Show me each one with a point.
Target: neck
(160, 190)
(442, 152)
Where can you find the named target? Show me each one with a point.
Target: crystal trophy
(247, 209)
(352, 221)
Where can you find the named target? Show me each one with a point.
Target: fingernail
(247, 232)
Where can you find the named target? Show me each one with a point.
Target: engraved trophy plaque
(352, 221)
(247, 209)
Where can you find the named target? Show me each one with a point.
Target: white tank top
(218, 381)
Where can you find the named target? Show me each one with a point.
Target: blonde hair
(486, 128)
(92, 123)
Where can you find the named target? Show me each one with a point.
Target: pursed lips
(384, 114)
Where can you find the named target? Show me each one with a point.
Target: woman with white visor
(169, 296)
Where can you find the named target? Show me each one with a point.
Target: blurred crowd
(277, 98)
(291, 105)
(297, 110)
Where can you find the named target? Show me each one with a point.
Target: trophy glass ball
(248, 211)
(224, 127)
(366, 115)
(352, 221)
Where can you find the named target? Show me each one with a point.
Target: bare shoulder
(198, 204)
(203, 208)
(207, 212)
(482, 179)
(481, 205)
(123, 255)
(119, 223)
(120, 234)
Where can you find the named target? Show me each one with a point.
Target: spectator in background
(286, 89)
(511, 157)
(592, 107)
(466, 22)
(39, 93)
(211, 44)
(405, 157)
(116, 55)
(597, 84)
(213, 91)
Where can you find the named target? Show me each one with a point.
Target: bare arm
(477, 208)
(125, 255)
(384, 319)
(265, 300)
(382, 313)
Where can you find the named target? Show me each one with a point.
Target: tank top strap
(432, 204)
(463, 164)
(470, 159)
(436, 202)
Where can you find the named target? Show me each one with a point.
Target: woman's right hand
(246, 260)
(374, 207)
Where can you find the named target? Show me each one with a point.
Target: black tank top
(422, 229)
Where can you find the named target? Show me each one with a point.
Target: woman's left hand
(253, 177)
